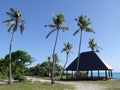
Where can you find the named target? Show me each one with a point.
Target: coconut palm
(83, 24)
(67, 48)
(49, 58)
(56, 26)
(56, 58)
(13, 23)
(94, 46)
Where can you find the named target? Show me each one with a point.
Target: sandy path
(86, 86)
(77, 85)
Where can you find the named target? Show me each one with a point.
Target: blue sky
(104, 15)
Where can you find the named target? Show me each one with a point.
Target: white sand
(76, 84)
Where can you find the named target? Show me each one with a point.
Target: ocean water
(116, 75)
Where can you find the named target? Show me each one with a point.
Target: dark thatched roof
(88, 61)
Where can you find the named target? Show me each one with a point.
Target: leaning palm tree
(13, 23)
(56, 26)
(94, 46)
(67, 48)
(83, 24)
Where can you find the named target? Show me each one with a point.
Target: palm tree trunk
(79, 50)
(10, 48)
(64, 66)
(53, 67)
(10, 69)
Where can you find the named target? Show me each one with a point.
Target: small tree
(47, 65)
(19, 62)
(3, 68)
(44, 69)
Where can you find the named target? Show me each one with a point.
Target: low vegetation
(36, 86)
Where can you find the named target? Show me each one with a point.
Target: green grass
(36, 86)
(110, 84)
(106, 85)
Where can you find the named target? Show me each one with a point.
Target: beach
(78, 85)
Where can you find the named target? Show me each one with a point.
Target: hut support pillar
(91, 74)
(111, 74)
(67, 75)
(106, 74)
(98, 74)
(72, 74)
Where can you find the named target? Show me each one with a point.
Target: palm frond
(54, 20)
(51, 26)
(91, 40)
(99, 47)
(22, 28)
(9, 29)
(21, 25)
(97, 50)
(22, 21)
(10, 14)
(12, 10)
(65, 44)
(65, 28)
(90, 30)
(76, 32)
(9, 22)
(50, 33)
(76, 19)
(63, 50)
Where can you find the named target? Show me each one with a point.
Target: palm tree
(56, 58)
(13, 23)
(49, 58)
(56, 26)
(83, 24)
(67, 48)
(49, 66)
(94, 46)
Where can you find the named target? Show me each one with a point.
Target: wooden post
(67, 74)
(111, 74)
(72, 74)
(106, 74)
(98, 74)
(91, 74)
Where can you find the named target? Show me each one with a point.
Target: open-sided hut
(90, 62)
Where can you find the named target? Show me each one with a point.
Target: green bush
(19, 77)
(3, 76)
